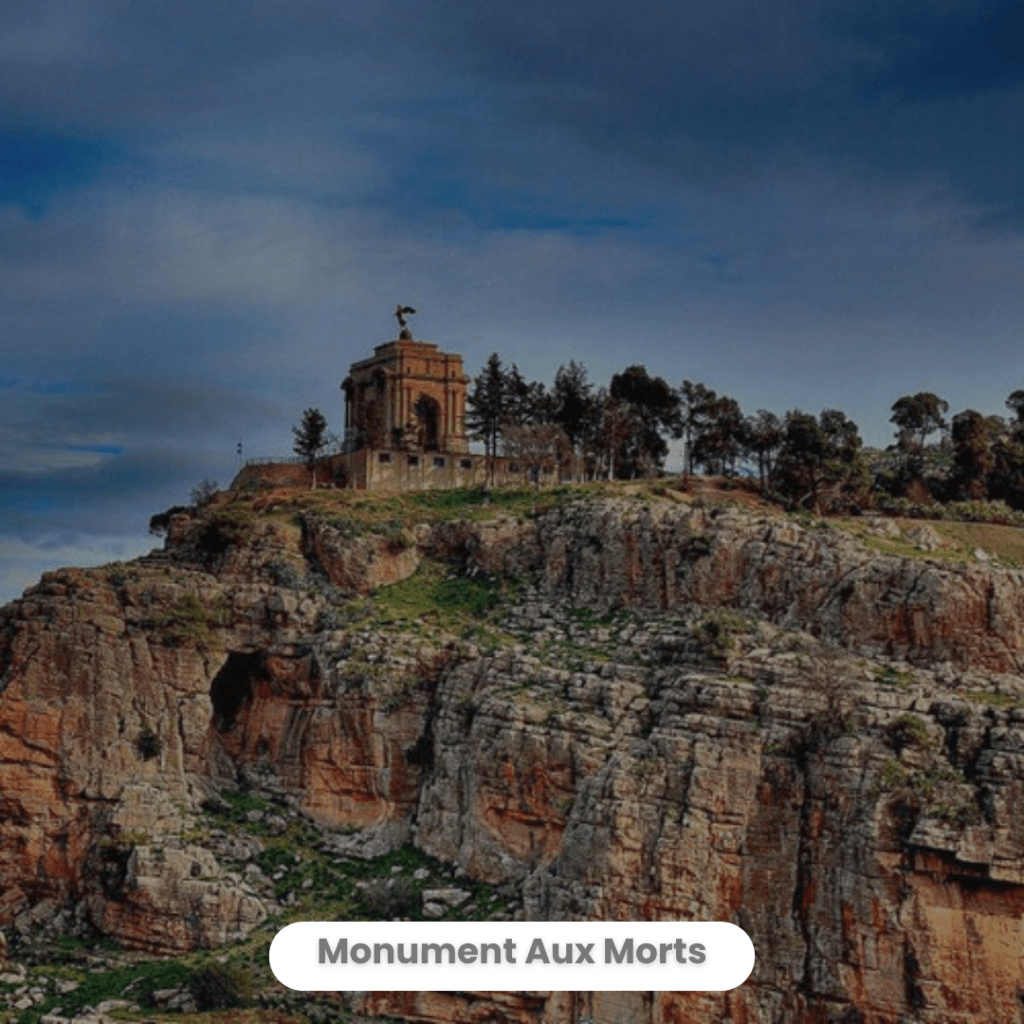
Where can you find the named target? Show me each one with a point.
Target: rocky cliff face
(664, 712)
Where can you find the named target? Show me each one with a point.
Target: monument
(407, 395)
(405, 427)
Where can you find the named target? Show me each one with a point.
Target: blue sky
(207, 211)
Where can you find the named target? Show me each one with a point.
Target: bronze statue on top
(400, 314)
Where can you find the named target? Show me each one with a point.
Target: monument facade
(405, 427)
(408, 394)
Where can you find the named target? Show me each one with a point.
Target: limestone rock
(692, 713)
(174, 899)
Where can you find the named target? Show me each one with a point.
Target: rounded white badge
(578, 956)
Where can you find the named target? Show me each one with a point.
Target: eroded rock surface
(677, 713)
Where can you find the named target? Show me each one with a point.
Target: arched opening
(233, 686)
(428, 416)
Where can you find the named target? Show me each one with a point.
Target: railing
(271, 460)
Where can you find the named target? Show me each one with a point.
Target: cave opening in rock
(233, 685)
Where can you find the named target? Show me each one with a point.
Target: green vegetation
(925, 782)
(992, 512)
(310, 439)
(318, 883)
(221, 986)
(434, 592)
(136, 981)
(889, 676)
(355, 514)
(591, 619)
(191, 621)
(715, 633)
(958, 541)
(996, 700)
(227, 527)
(117, 574)
(894, 774)
(909, 731)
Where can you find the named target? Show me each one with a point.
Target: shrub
(894, 774)
(189, 619)
(220, 987)
(159, 523)
(203, 493)
(909, 731)
(285, 574)
(714, 633)
(226, 528)
(396, 537)
(387, 899)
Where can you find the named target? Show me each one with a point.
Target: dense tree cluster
(574, 430)
(587, 433)
(622, 431)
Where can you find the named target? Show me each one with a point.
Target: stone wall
(388, 469)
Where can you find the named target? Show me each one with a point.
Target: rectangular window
(414, 460)
(439, 463)
(383, 456)
(466, 463)
(513, 467)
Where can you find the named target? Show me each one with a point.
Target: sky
(209, 210)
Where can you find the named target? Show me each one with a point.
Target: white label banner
(488, 956)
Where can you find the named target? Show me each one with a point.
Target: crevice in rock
(803, 891)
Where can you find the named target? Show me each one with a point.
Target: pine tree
(310, 439)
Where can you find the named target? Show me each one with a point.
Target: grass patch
(1005, 542)
(243, 803)
(136, 982)
(591, 619)
(889, 676)
(960, 540)
(432, 592)
(996, 700)
(909, 731)
(355, 513)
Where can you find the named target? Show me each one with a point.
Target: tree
(1005, 479)
(574, 408)
(487, 408)
(618, 421)
(819, 455)
(310, 439)
(762, 437)
(695, 402)
(203, 493)
(1016, 403)
(916, 417)
(718, 438)
(525, 401)
(655, 411)
(541, 447)
(973, 458)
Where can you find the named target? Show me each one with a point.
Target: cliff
(622, 706)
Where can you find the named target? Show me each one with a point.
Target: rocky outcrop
(640, 555)
(678, 712)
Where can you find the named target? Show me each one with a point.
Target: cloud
(43, 428)
(21, 563)
(208, 211)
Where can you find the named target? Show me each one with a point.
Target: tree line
(622, 430)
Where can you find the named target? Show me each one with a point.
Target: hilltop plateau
(609, 702)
